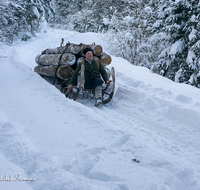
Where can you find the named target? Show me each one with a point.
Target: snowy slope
(55, 143)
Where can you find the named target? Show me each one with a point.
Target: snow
(105, 21)
(192, 34)
(5, 2)
(191, 57)
(177, 47)
(68, 145)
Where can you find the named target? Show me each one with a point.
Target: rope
(55, 77)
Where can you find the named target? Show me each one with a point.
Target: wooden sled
(79, 92)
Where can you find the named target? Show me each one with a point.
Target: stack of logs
(58, 64)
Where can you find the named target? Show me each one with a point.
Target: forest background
(162, 35)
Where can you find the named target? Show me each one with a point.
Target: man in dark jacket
(93, 73)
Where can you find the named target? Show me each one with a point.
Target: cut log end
(64, 72)
(97, 50)
(105, 59)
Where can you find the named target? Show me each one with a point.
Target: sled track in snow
(147, 106)
(157, 120)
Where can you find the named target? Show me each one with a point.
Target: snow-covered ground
(48, 142)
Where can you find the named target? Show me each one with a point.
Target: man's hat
(86, 50)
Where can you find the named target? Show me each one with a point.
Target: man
(93, 73)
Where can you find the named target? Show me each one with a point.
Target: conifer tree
(180, 24)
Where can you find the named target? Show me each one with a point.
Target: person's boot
(98, 96)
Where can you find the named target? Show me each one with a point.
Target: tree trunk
(45, 70)
(63, 72)
(58, 50)
(54, 59)
(74, 48)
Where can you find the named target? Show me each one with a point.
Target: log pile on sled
(56, 65)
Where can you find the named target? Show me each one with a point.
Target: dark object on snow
(135, 160)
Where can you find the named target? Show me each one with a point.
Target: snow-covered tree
(129, 27)
(81, 15)
(179, 61)
(21, 19)
(163, 35)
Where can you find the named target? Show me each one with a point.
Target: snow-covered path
(69, 145)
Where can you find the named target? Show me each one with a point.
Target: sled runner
(82, 93)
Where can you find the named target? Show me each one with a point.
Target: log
(74, 48)
(97, 50)
(58, 50)
(63, 72)
(45, 70)
(82, 49)
(105, 59)
(53, 59)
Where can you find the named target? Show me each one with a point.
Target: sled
(82, 93)
(57, 65)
